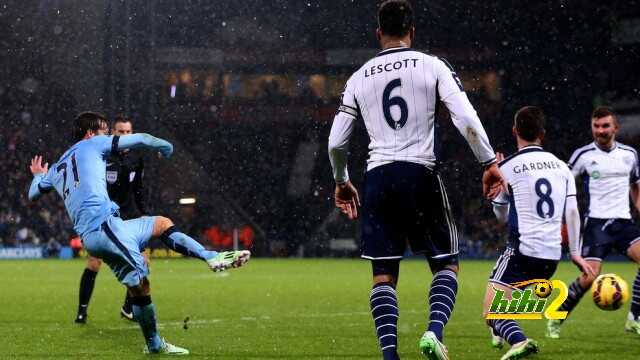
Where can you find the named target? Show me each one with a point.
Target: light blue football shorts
(120, 243)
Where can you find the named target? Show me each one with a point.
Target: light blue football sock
(146, 316)
(185, 245)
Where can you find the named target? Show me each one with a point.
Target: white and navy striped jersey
(397, 93)
(606, 176)
(539, 184)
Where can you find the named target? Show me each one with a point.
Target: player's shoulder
(402, 51)
(549, 155)
(586, 148)
(628, 148)
(553, 161)
(559, 162)
(405, 52)
(520, 153)
(580, 152)
(72, 149)
(100, 138)
(99, 141)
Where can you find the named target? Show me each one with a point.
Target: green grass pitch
(274, 309)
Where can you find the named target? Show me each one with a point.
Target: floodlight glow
(187, 201)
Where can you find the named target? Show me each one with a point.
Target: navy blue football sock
(635, 297)
(573, 298)
(87, 283)
(384, 310)
(442, 297)
(508, 330)
(145, 312)
(127, 306)
(185, 245)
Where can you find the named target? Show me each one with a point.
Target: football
(542, 289)
(610, 292)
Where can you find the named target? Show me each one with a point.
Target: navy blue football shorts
(600, 236)
(405, 205)
(513, 266)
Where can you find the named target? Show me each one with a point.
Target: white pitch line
(168, 324)
(196, 323)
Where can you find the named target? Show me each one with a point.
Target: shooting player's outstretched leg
(178, 241)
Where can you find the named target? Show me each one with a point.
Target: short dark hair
(530, 122)
(85, 121)
(395, 17)
(602, 111)
(122, 118)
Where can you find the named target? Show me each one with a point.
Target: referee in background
(125, 171)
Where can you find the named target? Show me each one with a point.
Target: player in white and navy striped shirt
(396, 94)
(541, 191)
(610, 174)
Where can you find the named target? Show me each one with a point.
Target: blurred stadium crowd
(25, 109)
(265, 154)
(249, 111)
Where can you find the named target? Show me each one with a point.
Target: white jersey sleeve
(501, 199)
(463, 114)
(501, 206)
(634, 176)
(341, 130)
(349, 104)
(42, 183)
(576, 161)
(572, 215)
(571, 183)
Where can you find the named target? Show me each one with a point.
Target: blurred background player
(541, 189)
(125, 171)
(79, 178)
(396, 94)
(610, 174)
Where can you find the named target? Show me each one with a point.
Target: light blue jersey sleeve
(111, 144)
(142, 140)
(41, 184)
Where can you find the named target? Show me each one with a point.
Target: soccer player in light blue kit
(79, 178)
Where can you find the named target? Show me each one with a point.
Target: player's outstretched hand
(347, 200)
(37, 167)
(492, 181)
(583, 265)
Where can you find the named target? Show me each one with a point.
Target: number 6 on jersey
(388, 102)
